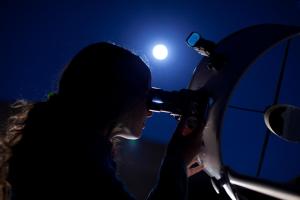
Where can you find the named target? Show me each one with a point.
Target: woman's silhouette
(66, 150)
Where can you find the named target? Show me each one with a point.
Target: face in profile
(113, 79)
(132, 123)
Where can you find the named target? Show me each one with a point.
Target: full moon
(160, 52)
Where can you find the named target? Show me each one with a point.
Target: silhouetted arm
(172, 182)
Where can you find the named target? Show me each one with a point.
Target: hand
(186, 143)
(194, 167)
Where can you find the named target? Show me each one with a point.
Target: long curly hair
(11, 136)
(99, 83)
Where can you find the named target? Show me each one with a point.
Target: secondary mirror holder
(284, 121)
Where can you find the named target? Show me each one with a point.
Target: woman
(66, 150)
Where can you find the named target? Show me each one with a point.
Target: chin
(133, 135)
(129, 135)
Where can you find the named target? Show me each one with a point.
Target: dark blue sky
(38, 38)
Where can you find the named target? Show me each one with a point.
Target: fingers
(186, 142)
(193, 162)
(194, 167)
(194, 170)
(189, 125)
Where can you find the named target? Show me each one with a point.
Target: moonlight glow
(160, 52)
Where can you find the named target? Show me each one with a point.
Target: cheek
(139, 123)
(135, 120)
(138, 126)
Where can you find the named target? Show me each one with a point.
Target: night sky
(38, 38)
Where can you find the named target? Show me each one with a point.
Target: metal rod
(262, 187)
(263, 152)
(281, 75)
(277, 93)
(246, 109)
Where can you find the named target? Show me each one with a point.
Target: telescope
(206, 98)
